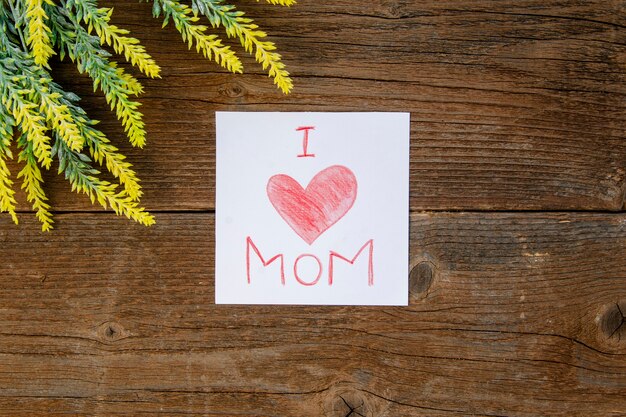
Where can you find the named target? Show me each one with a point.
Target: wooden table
(518, 229)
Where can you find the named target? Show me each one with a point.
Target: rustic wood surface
(518, 229)
(514, 104)
(510, 314)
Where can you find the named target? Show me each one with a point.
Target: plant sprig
(46, 123)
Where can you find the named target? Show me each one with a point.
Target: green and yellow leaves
(250, 36)
(282, 2)
(46, 123)
(185, 22)
(85, 50)
(31, 183)
(7, 199)
(84, 179)
(38, 31)
(98, 20)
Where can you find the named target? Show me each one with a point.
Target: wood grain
(515, 105)
(511, 314)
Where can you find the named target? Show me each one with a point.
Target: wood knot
(420, 279)
(613, 321)
(347, 401)
(111, 332)
(348, 404)
(394, 10)
(232, 90)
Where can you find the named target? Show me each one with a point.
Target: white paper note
(312, 208)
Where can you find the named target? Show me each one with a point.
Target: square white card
(312, 208)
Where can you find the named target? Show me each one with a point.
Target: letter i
(305, 141)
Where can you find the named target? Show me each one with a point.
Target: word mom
(251, 248)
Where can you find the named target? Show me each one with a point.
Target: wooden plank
(510, 314)
(515, 105)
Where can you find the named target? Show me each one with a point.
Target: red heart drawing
(312, 211)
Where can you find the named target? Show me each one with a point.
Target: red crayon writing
(368, 248)
(305, 141)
